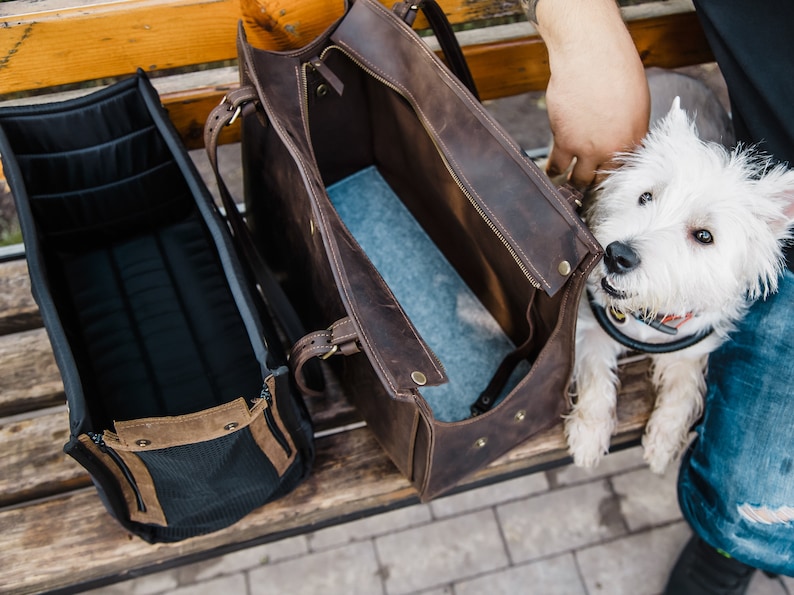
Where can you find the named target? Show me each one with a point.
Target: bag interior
(457, 283)
(130, 265)
(456, 326)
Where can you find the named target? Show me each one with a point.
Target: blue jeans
(736, 483)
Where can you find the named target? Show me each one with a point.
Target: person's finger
(559, 161)
(603, 170)
(583, 173)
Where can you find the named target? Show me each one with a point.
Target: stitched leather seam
(417, 108)
(482, 111)
(333, 252)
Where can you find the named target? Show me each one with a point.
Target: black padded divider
(133, 270)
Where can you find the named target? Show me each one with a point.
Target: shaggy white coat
(707, 226)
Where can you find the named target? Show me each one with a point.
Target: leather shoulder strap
(235, 103)
(453, 54)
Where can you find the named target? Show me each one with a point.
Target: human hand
(597, 98)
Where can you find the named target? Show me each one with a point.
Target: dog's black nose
(620, 258)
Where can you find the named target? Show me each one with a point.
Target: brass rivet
(419, 378)
(480, 442)
(564, 268)
(520, 415)
(322, 90)
(143, 442)
(231, 426)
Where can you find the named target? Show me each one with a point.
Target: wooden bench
(54, 532)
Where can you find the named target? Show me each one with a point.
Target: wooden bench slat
(75, 531)
(80, 40)
(522, 65)
(18, 310)
(32, 462)
(33, 465)
(500, 68)
(352, 478)
(503, 69)
(30, 380)
(114, 39)
(188, 110)
(29, 377)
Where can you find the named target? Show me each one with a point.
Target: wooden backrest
(48, 45)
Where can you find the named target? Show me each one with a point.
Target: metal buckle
(333, 350)
(237, 111)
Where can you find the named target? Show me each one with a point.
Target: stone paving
(614, 531)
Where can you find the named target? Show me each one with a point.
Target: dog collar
(662, 324)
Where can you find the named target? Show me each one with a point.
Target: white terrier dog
(692, 234)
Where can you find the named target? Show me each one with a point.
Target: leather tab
(340, 338)
(572, 195)
(328, 75)
(224, 114)
(406, 11)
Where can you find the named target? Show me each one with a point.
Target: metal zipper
(451, 171)
(270, 419)
(125, 470)
(305, 85)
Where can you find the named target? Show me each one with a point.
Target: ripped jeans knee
(766, 515)
(736, 484)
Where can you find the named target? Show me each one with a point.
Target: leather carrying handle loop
(242, 101)
(340, 338)
(445, 35)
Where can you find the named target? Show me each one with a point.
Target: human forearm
(598, 96)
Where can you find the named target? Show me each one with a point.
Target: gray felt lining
(456, 326)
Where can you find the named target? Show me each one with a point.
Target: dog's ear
(787, 194)
(778, 184)
(676, 120)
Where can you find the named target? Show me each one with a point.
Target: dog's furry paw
(588, 442)
(660, 450)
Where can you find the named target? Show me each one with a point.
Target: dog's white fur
(744, 204)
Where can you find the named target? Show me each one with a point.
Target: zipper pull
(125, 470)
(270, 419)
(98, 440)
(327, 74)
(407, 11)
(265, 394)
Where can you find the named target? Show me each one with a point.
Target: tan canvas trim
(164, 432)
(267, 442)
(154, 513)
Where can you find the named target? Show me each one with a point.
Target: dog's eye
(703, 236)
(645, 198)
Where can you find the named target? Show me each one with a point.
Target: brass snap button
(230, 426)
(419, 378)
(564, 268)
(520, 415)
(480, 442)
(143, 442)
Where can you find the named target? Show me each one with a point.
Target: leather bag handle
(453, 54)
(340, 338)
(236, 103)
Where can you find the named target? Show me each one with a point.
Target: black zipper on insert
(125, 471)
(271, 420)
